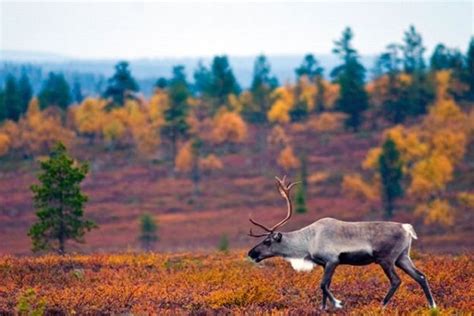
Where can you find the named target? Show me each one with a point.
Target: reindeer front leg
(329, 269)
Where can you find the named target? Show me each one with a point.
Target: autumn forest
(179, 172)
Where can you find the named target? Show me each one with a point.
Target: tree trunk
(61, 238)
(388, 208)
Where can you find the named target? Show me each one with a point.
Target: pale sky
(143, 29)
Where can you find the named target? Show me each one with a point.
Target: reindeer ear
(277, 237)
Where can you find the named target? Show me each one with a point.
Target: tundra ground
(219, 283)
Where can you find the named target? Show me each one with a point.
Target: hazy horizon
(110, 31)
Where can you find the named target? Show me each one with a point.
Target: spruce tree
(176, 125)
(120, 85)
(11, 99)
(161, 83)
(202, 80)
(223, 82)
(390, 168)
(77, 92)
(148, 231)
(300, 198)
(59, 203)
(350, 75)
(55, 92)
(420, 92)
(263, 83)
(441, 58)
(25, 92)
(469, 77)
(311, 68)
(3, 110)
(413, 51)
(223, 245)
(394, 106)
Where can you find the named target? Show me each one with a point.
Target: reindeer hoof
(337, 304)
(323, 307)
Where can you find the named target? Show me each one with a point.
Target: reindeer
(329, 242)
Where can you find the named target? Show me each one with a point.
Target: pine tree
(148, 231)
(390, 168)
(350, 76)
(176, 125)
(55, 92)
(120, 85)
(59, 203)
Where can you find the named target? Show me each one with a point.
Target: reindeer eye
(277, 237)
(267, 242)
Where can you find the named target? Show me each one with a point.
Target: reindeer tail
(410, 230)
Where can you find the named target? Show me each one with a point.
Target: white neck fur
(301, 264)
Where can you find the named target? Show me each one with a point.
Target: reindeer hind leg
(405, 263)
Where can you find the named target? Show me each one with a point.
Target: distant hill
(30, 56)
(146, 71)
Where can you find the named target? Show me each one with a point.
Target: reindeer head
(274, 242)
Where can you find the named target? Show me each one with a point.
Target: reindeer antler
(284, 190)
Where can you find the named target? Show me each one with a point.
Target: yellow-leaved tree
(89, 117)
(136, 123)
(283, 102)
(40, 130)
(229, 127)
(430, 151)
(143, 127)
